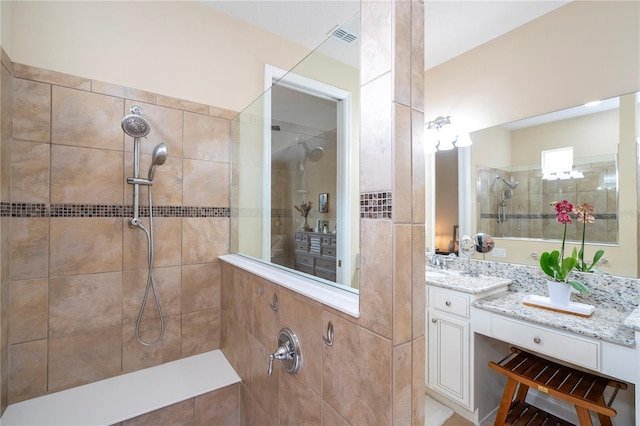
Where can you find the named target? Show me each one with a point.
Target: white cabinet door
(449, 357)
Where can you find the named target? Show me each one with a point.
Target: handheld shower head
(158, 158)
(134, 125)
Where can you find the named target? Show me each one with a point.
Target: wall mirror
(509, 196)
(294, 166)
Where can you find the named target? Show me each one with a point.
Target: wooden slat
(535, 369)
(586, 381)
(572, 379)
(546, 375)
(595, 394)
(527, 415)
(560, 377)
(516, 411)
(524, 366)
(522, 414)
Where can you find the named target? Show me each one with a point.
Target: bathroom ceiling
(451, 27)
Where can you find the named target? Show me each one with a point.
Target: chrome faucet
(438, 262)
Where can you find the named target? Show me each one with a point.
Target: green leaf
(597, 257)
(567, 266)
(544, 264)
(578, 286)
(553, 265)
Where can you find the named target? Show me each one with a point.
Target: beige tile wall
(76, 282)
(220, 407)
(6, 106)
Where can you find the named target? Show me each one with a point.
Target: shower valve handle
(288, 352)
(283, 352)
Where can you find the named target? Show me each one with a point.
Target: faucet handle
(288, 352)
(283, 352)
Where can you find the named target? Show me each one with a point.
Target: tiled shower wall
(75, 271)
(529, 213)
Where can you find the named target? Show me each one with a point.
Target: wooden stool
(583, 390)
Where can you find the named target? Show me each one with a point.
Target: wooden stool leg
(522, 392)
(604, 420)
(505, 402)
(583, 416)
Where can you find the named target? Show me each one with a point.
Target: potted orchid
(558, 267)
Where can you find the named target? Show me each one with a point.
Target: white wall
(580, 52)
(182, 49)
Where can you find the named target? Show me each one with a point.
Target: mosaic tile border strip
(376, 205)
(105, 210)
(601, 216)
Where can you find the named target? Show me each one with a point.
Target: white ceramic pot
(559, 293)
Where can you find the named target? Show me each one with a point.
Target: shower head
(134, 125)
(507, 193)
(511, 184)
(313, 155)
(158, 158)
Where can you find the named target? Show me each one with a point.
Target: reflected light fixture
(441, 135)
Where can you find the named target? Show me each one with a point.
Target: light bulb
(464, 140)
(447, 135)
(430, 140)
(445, 144)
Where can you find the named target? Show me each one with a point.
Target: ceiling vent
(345, 36)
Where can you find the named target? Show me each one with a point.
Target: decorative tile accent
(376, 205)
(5, 209)
(600, 216)
(27, 210)
(103, 210)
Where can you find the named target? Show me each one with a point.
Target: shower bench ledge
(123, 397)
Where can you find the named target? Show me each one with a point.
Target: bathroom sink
(437, 273)
(459, 281)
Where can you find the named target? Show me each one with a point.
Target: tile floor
(458, 420)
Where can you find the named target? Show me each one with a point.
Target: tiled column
(392, 194)
(6, 89)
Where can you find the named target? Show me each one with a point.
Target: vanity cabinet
(316, 254)
(449, 345)
(457, 372)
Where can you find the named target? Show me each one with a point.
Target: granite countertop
(633, 320)
(606, 323)
(454, 280)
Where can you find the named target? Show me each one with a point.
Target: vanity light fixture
(441, 135)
